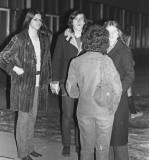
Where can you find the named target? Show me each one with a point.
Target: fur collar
(70, 37)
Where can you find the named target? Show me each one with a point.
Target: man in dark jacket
(68, 46)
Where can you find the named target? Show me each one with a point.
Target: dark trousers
(68, 108)
(119, 153)
(131, 101)
(131, 105)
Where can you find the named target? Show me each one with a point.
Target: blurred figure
(123, 61)
(94, 80)
(133, 111)
(27, 60)
(68, 46)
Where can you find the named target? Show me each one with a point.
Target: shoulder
(16, 39)
(67, 35)
(44, 37)
(21, 36)
(123, 46)
(61, 36)
(106, 59)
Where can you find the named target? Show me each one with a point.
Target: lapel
(70, 37)
(30, 44)
(42, 47)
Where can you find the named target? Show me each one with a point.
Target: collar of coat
(71, 38)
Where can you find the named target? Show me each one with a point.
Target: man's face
(113, 34)
(78, 22)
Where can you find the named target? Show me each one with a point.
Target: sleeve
(112, 76)
(8, 56)
(128, 67)
(72, 83)
(57, 60)
(49, 62)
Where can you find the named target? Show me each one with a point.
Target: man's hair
(72, 16)
(95, 38)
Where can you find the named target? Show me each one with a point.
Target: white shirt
(36, 44)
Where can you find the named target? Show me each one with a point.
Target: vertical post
(42, 6)
(101, 11)
(71, 4)
(57, 12)
(80, 4)
(7, 11)
(7, 3)
(140, 30)
(28, 3)
(123, 19)
(57, 26)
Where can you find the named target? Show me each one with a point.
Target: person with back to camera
(94, 80)
(27, 60)
(68, 46)
(133, 111)
(123, 61)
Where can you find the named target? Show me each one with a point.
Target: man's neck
(77, 33)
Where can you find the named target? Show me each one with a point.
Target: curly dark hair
(95, 38)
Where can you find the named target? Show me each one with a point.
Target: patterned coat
(123, 61)
(66, 49)
(20, 52)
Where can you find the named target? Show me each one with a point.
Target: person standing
(133, 111)
(68, 46)
(27, 60)
(123, 61)
(94, 80)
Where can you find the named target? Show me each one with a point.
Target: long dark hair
(117, 25)
(29, 16)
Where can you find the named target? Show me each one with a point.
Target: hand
(54, 86)
(18, 70)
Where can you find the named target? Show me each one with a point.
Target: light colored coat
(84, 75)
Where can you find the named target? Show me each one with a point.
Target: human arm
(128, 68)
(58, 59)
(9, 57)
(18, 70)
(72, 83)
(57, 65)
(113, 77)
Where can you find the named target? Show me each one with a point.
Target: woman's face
(78, 22)
(113, 34)
(36, 22)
